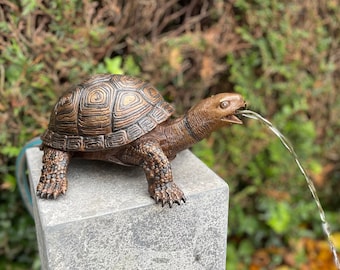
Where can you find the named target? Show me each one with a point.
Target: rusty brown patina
(125, 120)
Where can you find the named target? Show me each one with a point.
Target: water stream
(286, 143)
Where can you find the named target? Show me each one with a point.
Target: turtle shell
(103, 112)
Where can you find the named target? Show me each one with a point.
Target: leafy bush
(282, 56)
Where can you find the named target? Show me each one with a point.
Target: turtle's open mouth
(232, 118)
(235, 118)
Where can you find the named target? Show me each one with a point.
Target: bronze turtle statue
(125, 120)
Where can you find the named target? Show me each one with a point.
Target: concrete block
(108, 221)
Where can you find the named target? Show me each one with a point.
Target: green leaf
(279, 217)
(114, 65)
(29, 6)
(10, 151)
(130, 66)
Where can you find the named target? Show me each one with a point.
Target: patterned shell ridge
(103, 112)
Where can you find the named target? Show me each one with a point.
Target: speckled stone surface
(108, 221)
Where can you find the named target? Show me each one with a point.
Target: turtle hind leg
(53, 180)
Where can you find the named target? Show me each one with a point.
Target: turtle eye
(224, 104)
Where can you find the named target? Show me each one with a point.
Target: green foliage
(240, 257)
(115, 65)
(278, 217)
(130, 66)
(17, 235)
(205, 153)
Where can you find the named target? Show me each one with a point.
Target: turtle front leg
(53, 180)
(158, 172)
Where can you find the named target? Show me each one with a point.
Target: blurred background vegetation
(283, 56)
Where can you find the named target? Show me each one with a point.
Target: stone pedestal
(108, 221)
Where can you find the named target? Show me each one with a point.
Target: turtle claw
(170, 204)
(51, 190)
(168, 193)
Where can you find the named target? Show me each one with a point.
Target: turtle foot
(53, 182)
(168, 193)
(51, 188)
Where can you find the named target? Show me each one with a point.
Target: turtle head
(221, 108)
(204, 118)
